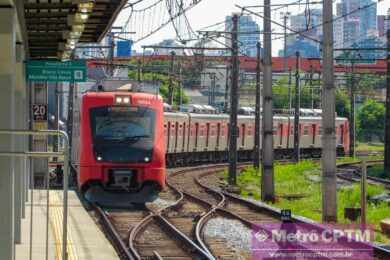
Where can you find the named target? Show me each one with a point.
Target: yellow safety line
(56, 219)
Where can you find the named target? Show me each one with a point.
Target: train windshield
(123, 134)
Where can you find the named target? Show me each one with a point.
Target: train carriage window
(218, 133)
(313, 130)
(184, 134)
(280, 134)
(176, 133)
(306, 130)
(196, 134)
(243, 135)
(169, 135)
(207, 134)
(341, 134)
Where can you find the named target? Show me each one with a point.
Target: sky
(209, 12)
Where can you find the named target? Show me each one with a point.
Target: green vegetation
(298, 188)
(370, 123)
(157, 71)
(370, 146)
(377, 171)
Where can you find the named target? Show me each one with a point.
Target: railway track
(351, 172)
(180, 229)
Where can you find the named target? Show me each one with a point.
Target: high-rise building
(381, 25)
(366, 18)
(308, 24)
(249, 34)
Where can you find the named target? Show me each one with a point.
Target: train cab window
(306, 130)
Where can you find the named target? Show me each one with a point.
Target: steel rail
(118, 242)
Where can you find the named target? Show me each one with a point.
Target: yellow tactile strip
(56, 219)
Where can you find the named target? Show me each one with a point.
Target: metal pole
(234, 106)
(285, 16)
(257, 151)
(311, 86)
(329, 191)
(289, 108)
(227, 88)
(70, 110)
(352, 116)
(363, 193)
(139, 71)
(387, 119)
(213, 89)
(170, 86)
(297, 129)
(180, 85)
(267, 178)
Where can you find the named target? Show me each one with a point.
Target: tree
(158, 71)
(371, 120)
(343, 103)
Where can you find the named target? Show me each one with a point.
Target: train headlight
(99, 158)
(122, 100)
(146, 159)
(119, 100)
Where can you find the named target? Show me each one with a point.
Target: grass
(370, 147)
(298, 188)
(377, 171)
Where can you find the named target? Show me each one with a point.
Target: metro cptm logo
(261, 235)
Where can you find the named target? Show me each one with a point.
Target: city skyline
(211, 12)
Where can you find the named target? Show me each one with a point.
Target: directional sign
(57, 71)
(39, 112)
(285, 215)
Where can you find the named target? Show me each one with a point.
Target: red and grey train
(123, 140)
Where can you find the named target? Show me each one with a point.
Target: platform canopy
(53, 27)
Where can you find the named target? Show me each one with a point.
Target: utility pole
(72, 87)
(170, 85)
(213, 81)
(297, 129)
(289, 108)
(180, 85)
(311, 86)
(257, 151)
(329, 184)
(352, 116)
(227, 88)
(387, 119)
(285, 17)
(139, 71)
(234, 106)
(267, 177)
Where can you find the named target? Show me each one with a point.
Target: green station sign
(57, 71)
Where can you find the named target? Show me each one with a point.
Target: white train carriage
(195, 138)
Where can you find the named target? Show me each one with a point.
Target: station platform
(85, 240)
